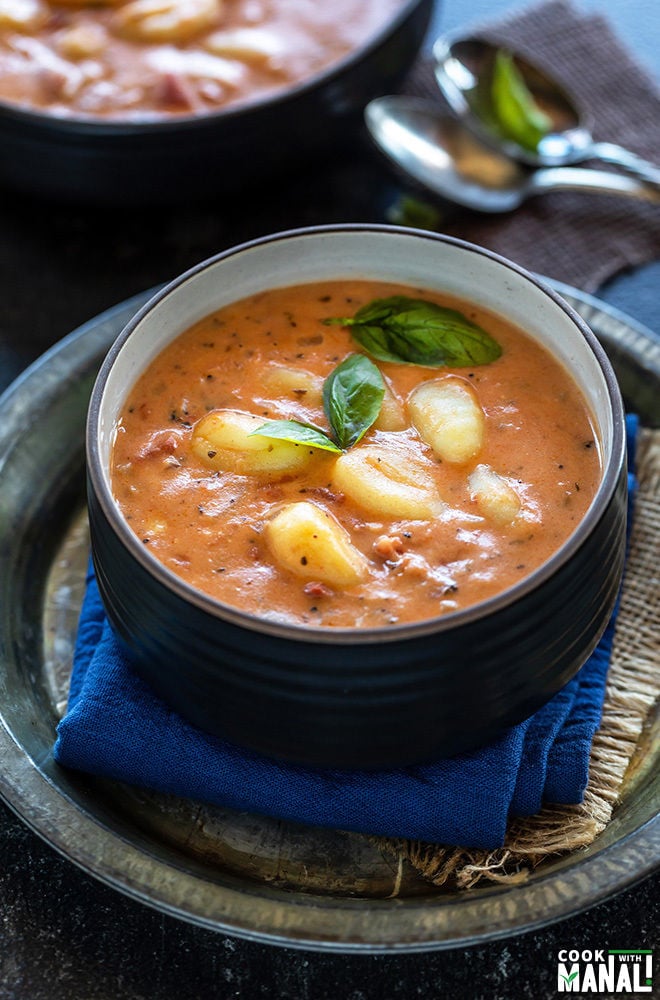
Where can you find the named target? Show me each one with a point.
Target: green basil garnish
(297, 433)
(417, 332)
(352, 397)
(516, 112)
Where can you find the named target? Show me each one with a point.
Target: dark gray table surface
(63, 935)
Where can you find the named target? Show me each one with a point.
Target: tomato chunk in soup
(468, 479)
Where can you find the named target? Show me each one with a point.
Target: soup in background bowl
(140, 60)
(117, 103)
(323, 543)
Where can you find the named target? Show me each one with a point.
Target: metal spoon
(464, 68)
(442, 155)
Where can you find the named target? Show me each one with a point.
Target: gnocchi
(225, 440)
(496, 499)
(392, 416)
(82, 41)
(22, 15)
(310, 543)
(293, 383)
(165, 20)
(448, 418)
(387, 483)
(251, 45)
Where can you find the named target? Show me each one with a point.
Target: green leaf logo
(569, 979)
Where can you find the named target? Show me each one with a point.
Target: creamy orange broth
(209, 527)
(137, 59)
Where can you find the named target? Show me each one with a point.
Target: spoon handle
(597, 181)
(609, 152)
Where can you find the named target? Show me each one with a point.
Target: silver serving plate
(234, 872)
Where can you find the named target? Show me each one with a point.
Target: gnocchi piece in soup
(354, 454)
(225, 439)
(448, 417)
(308, 542)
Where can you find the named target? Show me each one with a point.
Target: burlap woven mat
(633, 688)
(579, 238)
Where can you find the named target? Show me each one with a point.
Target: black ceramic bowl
(350, 697)
(189, 158)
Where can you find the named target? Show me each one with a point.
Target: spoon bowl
(464, 70)
(443, 156)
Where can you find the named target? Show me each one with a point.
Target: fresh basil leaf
(296, 433)
(352, 396)
(517, 114)
(417, 332)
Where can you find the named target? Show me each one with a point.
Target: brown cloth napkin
(579, 238)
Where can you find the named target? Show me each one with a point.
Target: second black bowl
(186, 159)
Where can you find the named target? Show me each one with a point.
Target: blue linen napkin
(116, 727)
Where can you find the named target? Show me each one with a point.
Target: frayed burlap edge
(632, 689)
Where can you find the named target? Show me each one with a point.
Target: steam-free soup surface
(415, 531)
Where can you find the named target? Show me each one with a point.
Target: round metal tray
(238, 873)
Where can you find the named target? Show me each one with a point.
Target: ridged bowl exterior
(186, 159)
(366, 699)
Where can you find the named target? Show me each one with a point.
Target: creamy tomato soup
(136, 59)
(467, 480)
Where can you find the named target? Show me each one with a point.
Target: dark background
(64, 936)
